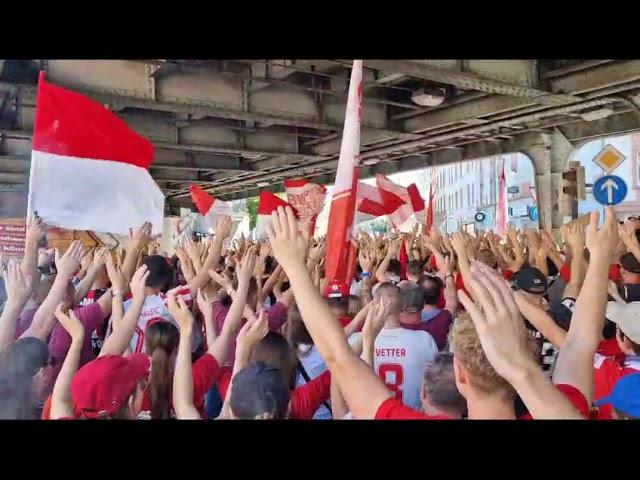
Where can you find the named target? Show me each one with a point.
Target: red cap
(614, 272)
(336, 289)
(102, 386)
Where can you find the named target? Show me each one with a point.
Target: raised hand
(246, 267)
(459, 243)
(627, 233)
(602, 243)
(45, 257)
(223, 227)
(365, 260)
(376, 317)
(497, 319)
(191, 248)
(86, 260)
(17, 285)
(70, 322)
(252, 332)
(181, 314)
(116, 276)
(140, 236)
(100, 256)
(68, 264)
(36, 231)
(288, 244)
(205, 301)
(139, 282)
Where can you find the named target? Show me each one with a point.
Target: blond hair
(467, 349)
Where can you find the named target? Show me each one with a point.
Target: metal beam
(596, 78)
(469, 81)
(219, 149)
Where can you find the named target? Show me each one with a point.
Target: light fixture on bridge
(370, 161)
(262, 184)
(596, 114)
(428, 97)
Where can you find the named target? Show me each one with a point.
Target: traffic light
(573, 189)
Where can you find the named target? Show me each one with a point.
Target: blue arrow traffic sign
(609, 190)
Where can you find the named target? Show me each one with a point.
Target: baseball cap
(625, 396)
(259, 390)
(630, 263)
(336, 289)
(530, 280)
(627, 317)
(103, 385)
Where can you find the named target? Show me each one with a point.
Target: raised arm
(392, 252)
(135, 243)
(119, 340)
(540, 320)
(18, 287)
(627, 233)
(450, 291)
(61, 399)
(35, 232)
(575, 238)
(213, 257)
(183, 375)
(222, 344)
(90, 276)
(574, 364)
(361, 387)
(503, 337)
(44, 319)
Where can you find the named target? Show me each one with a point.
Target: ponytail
(161, 340)
(159, 385)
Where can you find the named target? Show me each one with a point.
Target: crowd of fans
(525, 326)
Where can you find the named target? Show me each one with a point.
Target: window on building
(473, 193)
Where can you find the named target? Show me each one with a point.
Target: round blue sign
(609, 190)
(479, 217)
(533, 213)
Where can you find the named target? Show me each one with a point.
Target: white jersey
(314, 365)
(400, 357)
(154, 309)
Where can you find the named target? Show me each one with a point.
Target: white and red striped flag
(268, 203)
(88, 168)
(341, 244)
(207, 205)
(399, 201)
(307, 199)
(502, 208)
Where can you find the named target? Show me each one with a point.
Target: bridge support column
(549, 161)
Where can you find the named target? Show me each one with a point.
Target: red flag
(502, 209)
(404, 260)
(432, 193)
(269, 203)
(340, 235)
(208, 205)
(88, 168)
(400, 202)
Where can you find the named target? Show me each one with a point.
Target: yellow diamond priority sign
(609, 158)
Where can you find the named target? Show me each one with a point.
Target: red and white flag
(268, 204)
(209, 206)
(307, 199)
(388, 198)
(341, 244)
(430, 211)
(88, 168)
(399, 201)
(502, 209)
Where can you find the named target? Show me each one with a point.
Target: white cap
(627, 317)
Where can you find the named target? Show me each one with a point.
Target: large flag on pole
(340, 235)
(88, 168)
(430, 211)
(502, 213)
(207, 205)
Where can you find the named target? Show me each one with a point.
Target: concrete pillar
(549, 161)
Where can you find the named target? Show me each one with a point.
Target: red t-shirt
(614, 272)
(392, 409)
(307, 398)
(606, 373)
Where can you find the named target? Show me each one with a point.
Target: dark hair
(339, 303)
(160, 341)
(258, 390)
(270, 264)
(634, 346)
(18, 364)
(160, 273)
(439, 385)
(395, 267)
(298, 333)
(274, 350)
(412, 297)
(432, 289)
(414, 267)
